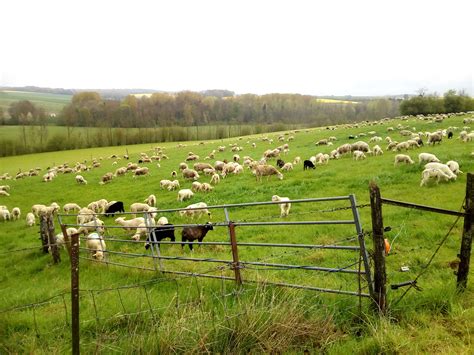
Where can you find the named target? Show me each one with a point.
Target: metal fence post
(75, 293)
(380, 276)
(466, 242)
(235, 251)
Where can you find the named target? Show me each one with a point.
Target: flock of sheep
(139, 227)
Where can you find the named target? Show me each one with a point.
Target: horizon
(319, 49)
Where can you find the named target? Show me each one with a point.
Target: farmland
(52, 103)
(198, 318)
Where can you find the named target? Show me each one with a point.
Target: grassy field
(201, 315)
(52, 103)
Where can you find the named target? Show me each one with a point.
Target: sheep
(160, 232)
(5, 214)
(287, 167)
(130, 224)
(96, 245)
(139, 207)
(5, 188)
(280, 163)
(106, 178)
(215, 179)
(284, 207)
(30, 219)
(85, 215)
(120, 171)
(190, 174)
(443, 167)
(454, 166)
(189, 211)
(112, 208)
(205, 187)
(202, 166)
(360, 145)
(151, 200)
(377, 150)
(183, 166)
(68, 207)
(266, 170)
(92, 226)
(162, 221)
(427, 158)
(190, 234)
(435, 137)
(141, 172)
(401, 145)
(174, 174)
(16, 213)
(4, 193)
(402, 158)
(358, 155)
(297, 160)
(430, 173)
(308, 164)
(184, 194)
(196, 186)
(80, 180)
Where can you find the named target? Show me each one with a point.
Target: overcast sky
(308, 47)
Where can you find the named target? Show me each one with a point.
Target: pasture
(203, 315)
(52, 103)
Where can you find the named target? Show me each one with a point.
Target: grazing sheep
(435, 137)
(139, 207)
(16, 213)
(141, 172)
(284, 207)
(266, 170)
(106, 178)
(151, 200)
(5, 188)
(280, 163)
(377, 150)
(85, 215)
(443, 167)
(113, 208)
(30, 219)
(4, 193)
(189, 211)
(160, 232)
(287, 167)
(190, 174)
(400, 146)
(96, 225)
(196, 186)
(205, 187)
(190, 234)
(215, 179)
(80, 180)
(130, 224)
(174, 174)
(96, 245)
(4, 214)
(454, 166)
(121, 171)
(297, 160)
(184, 194)
(202, 166)
(68, 207)
(429, 174)
(308, 164)
(427, 158)
(358, 155)
(402, 158)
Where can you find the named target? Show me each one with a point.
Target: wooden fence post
(235, 254)
(380, 276)
(466, 241)
(52, 239)
(44, 233)
(75, 293)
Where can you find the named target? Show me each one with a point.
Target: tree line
(451, 101)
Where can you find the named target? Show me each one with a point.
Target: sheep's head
(209, 226)
(98, 255)
(275, 198)
(119, 220)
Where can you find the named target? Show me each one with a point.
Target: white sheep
(4, 214)
(184, 194)
(189, 212)
(402, 158)
(205, 187)
(96, 225)
(162, 221)
(284, 207)
(358, 155)
(96, 245)
(377, 150)
(30, 219)
(5, 188)
(431, 173)
(151, 200)
(454, 166)
(139, 207)
(196, 186)
(130, 224)
(287, 167)
(215, 179)
(80, 180)
(443, 167)
(427, 158)
(4, 193)
(68, 207)
(16, 213)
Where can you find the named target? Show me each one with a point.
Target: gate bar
(421, 207)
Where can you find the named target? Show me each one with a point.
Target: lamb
(454, 166)
(68, 207)
(183, 166)
(16, 213)
(190, 174)
(190, 234)
(297, 160)
(106, 178)
(139, 207)
(114, 208)
(184, 194)
(443, 167)
(189, 211)
(427, 158)
(205, 187)
(402, 158)
(85, 215)
(284, 207)
(80, 180)
(430, 173)
(141, 172)
(196, 186)
(95, 225)
(308, 164)
(151, 200)
(30, 219)
(165, 230)
(130, 224)
(96, 245)
(215, 179)
(287, 167)
(266, 170)
(377, 150)
(121, 171)
(358, 155)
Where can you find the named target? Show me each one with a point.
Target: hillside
(52, 103)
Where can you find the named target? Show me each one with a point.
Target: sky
(308, 47)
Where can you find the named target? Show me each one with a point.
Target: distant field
(52, 103)
(333, 101)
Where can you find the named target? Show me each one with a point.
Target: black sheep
(450, 135)
(114, 208)
(190, 234)
(280, 163)
(161, 232)
(420, 142)
(307, 164)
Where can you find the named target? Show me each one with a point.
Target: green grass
(52, 103)
(195, 316)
